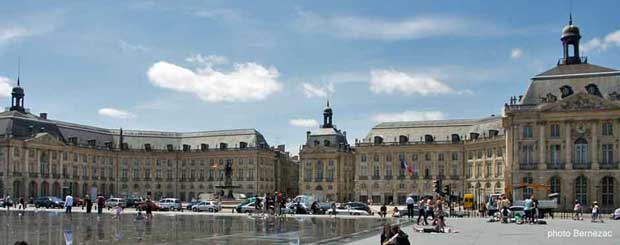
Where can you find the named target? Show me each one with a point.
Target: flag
(404, 166)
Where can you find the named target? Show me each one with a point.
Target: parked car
(209, 206)
(360, 206)
(347, 210)
(49, 202)
(133, 202)
(112, 202)
(616, 214)
(191, 204)
(247, 208)
(170, 204)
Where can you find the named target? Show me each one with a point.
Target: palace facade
(564, 133)
(40, 156)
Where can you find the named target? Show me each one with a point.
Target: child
(595, 214)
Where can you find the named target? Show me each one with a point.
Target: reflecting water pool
(80, 228)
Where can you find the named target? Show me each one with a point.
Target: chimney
(43, 115)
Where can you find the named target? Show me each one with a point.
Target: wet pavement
(167, 228)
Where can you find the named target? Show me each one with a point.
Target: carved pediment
(45, 139)
(580, 102)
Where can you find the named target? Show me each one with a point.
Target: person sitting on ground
(386, 233)
(383, 211)
(398, 237)
(395, 212)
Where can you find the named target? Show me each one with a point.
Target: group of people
(427, 207)
(578, 210)
(271, 204)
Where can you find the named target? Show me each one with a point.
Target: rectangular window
(498, 169)
(455, 170)
(555, 131)
(427, 156)
(488, 171)
(469, 170)
(376, 170)
(440, 156)
(527, 154)
(308, 174)
(124, 173)
(414, 156)
(363, 169)
(555, 154)
(527, 132)
(388, 157)
(500, 152)
(608, 153)
(375, 158)
(608, 129)
(441, 169)
(470, 155)
(388, 170)
(489, 153)
(455, 156)
(363, 157)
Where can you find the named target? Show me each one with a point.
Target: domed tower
(570, 37)
(17, 98)
(327, 116)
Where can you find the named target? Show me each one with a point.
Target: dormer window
(593, 90)
(73, 140)
(316, 142)
(243, 145)
(566, 91)
(378, 140)
(326, 143)
(204, 147)
(223, 146)
(170, 147)
(147, 147)
(92, 142)
(403, 139)
(455, 138)
(187, 147)
(428, 138)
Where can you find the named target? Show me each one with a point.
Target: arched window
(555, 184)
(378, 140)
(581, 189)
(403, 139)
(581, 151)
(326, 142)
(608, 191)
(528, 191)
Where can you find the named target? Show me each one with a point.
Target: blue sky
(271, 65)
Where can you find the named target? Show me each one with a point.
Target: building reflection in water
(52, 228)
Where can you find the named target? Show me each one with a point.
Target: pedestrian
(595, 212)
(422, 211)
(386, 233)
(535, 210)
(334, 209)
(577, 209)
(398, 237)
(8, 202)
(100, 204)
(527, 209)
(148, 206)
(68, 203)
(89, 203)
(410, 203)
(429, 208)
(439, 206)
(383, 211)
(22, 203)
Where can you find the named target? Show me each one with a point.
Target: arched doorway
(56, 189)
(34, 189)
(45, 188)
(581, 190)
(607, 191)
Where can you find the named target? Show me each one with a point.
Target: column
(542, 143)
(594, 144)
(568, 146)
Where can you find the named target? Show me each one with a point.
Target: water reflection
(51, 228)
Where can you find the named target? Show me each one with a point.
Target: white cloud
(5, 87)
(408, 116)
(125, 46)
(602, 44)
(373, 28)
(311, 90)
(516, 53)
(209, 60)
(304, 123)
(115, 113)
(8, 34)
(246, 82)
(392, 81)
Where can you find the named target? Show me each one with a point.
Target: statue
(228, 170)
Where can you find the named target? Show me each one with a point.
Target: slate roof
(574, 69)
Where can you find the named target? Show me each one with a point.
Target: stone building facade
(398, 159)
(326, 163)
(565, 131)
(40, 156)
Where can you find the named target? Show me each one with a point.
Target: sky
(272, 65)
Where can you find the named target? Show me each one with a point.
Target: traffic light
(446, 190)
(437, 186)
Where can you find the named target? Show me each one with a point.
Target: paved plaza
(477, 231)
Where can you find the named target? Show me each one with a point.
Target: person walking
(383, 211)
(577, 209)
(68, 203)
(22, 203)
(429, 208)
(410, 203)
(148, 206)
(100, 204)
(527, 209)
(422, 211)
(595, 212)
(334, 209)
(7, 202)
(89, 203)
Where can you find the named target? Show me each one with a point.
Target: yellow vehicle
(468, 201)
